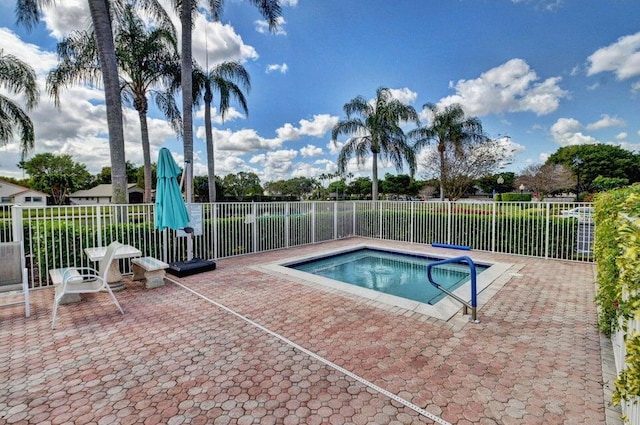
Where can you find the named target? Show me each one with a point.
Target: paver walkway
(177, 358)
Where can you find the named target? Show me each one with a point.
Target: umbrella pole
(188, 168)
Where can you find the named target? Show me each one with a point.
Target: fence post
(17, 232)
(353, 228)
(287, 223)
(546, 236)
(335, 220)
(99, 224)
(493, 227)
(412, 220)
(448, 222)
(379, 204)
(214, 218)
(313, 222)
(254, 228)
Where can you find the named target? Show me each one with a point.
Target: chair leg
(115, 300)
(55, 311)
(27, 304)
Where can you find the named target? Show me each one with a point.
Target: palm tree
(28, 13)
(146, 59)
(19, 78)
(270, 10)
(449, 128)
(375, 127)
(224, 78)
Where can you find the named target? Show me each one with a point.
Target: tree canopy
(375, 130)
(58, 175)
(598, 160)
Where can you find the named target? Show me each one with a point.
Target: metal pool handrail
(474, 296)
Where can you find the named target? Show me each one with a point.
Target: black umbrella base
(187, 268)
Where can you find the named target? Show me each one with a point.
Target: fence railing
(57, 236)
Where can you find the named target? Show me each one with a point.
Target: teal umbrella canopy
(170, 210)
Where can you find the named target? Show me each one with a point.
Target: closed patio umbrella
(170, 210)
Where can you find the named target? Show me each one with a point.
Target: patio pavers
(177, 358)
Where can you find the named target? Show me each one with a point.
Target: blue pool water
(402, 275)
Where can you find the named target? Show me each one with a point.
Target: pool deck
(246, 345)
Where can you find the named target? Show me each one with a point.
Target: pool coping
(488, 282)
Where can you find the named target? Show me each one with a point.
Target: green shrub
(516, 197)
(617, 252)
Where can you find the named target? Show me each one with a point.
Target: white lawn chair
(82, 280)
(13, 274)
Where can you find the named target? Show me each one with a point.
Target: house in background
(103, 194)
(13, 194)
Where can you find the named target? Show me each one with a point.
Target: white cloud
(404, 95)
(67, 16)
(262, 26)
(606, 121)
(277, 165)
(245, 140)
(622, 58)
(39, 60)
(316, 127)
(621, 136)
(544, 156)
(510, 87)
(334, 148)
(548, 5)
(566, 132)
(282, 69)
(310, 151)
(231, 115)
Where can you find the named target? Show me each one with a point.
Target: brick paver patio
(175, 357)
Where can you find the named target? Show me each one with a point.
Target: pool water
(402, 275)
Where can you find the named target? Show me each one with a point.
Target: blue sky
(545, 73)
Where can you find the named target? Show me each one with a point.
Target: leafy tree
(450, 130)
(146, 58)
(546, 179)
(489, 183)
(28, 13)
(19, 78)
(241, 185)
(400, 184)
(299, 187)
(603, 184)
(375, 130)
(360, 187)
(104, 176)
(228, 79)
(270, 10)
(462, 166)
(598, 160)
(57, 175)
(337, 189)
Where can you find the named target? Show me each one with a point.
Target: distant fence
(57, 236)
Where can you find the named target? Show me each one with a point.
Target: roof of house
(100, 191)
(18, 190)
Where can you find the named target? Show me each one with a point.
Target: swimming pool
(488, 282)
(400, 274)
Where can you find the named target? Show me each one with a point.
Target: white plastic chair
(83, 280)
(13, 274)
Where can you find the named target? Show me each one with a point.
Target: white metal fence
(57, 236)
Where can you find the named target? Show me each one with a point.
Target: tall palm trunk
(208, 98)
(187, 93)
(374, 175)
(106, 51)
(441, 149)
(146, 154)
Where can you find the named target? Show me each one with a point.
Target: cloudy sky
(545, 73)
